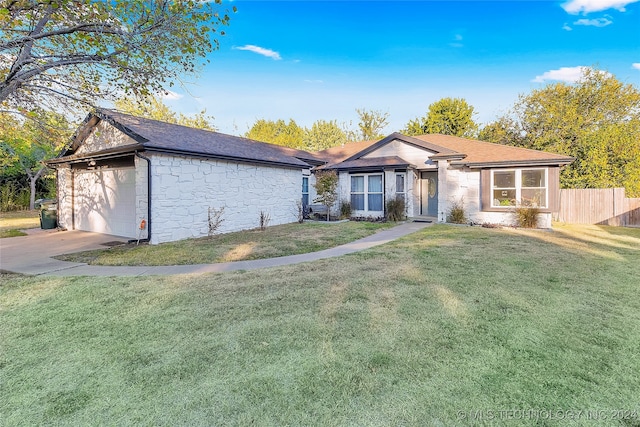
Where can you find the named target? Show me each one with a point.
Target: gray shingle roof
(177, 138)
(154, 135)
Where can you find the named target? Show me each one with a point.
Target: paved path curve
(32, 254)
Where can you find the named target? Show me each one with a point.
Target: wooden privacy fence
(605, 206)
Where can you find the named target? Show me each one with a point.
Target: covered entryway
(104, 201)
(429, 194)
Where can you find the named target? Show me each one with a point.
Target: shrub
(456, 213)
(527, 216)
(265, 218)
(13, 198)
(396, 209)
(215, 219)
(345, 209)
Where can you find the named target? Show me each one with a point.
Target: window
(400, 187)
(375, 193)
(357, 193)
(305, 191)
(526, 187)
(366, 192)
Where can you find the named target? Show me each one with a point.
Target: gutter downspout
(148, 239)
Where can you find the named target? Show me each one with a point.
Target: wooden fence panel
(606, 206)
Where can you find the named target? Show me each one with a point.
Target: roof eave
(300, 165)
(132, 148)
(75, 158)
(451, 156)
(514, 163)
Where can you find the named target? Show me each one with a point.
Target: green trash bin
(48, 216)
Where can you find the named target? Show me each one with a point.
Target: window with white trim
(305, 191)
(519, 187)
(367, 192)
(400, 185)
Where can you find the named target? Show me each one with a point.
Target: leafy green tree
(152, 107)
(277, 132)
(27, 144)
(372, 123)
(59, 54)
(322, 135)
(596, 120)
(502, 131)
(326, 186)
(448, 116)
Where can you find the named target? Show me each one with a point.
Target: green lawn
(276, 241)
(12, 222)
(437, 328)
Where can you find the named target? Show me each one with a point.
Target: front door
(429, 194)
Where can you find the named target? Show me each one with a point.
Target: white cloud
(566, 27)
(260, 51)
(587, 6)
(563, 74)
(597, 22)
(172, 96)
(314, 81)
(636, 65)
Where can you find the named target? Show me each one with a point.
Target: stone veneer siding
(142, 196)
(183, 189)
(65, 197)
(464, 184)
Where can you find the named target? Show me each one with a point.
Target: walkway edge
(374, 240)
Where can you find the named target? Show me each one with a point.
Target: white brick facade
(183, 190)
(65, 197)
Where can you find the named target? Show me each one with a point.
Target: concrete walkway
(32, 254)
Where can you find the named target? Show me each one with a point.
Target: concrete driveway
(32, 254)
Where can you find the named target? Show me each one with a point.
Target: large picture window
(519, 187)
(367, 192)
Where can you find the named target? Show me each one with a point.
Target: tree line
(59, 57)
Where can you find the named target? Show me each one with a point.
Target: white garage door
(105, 201)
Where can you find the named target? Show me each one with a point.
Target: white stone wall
(184, 188)
(142, 196)
(464, 184)
(344, 190)
(65, 197)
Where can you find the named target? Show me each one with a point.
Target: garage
(104, 201)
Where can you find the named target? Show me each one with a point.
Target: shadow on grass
(594, 240)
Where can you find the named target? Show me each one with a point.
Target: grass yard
(12, 222)
(275, 241)
(448, 326)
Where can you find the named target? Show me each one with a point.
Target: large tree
(65, 54)
(322, 135)
(277, 132)
(596, 120)
(372, 123)
(26, 144)
(152, 107)
(448, 116)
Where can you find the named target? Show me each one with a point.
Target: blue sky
(310, 60)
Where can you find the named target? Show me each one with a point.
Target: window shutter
(485, 189)
(554, 189)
